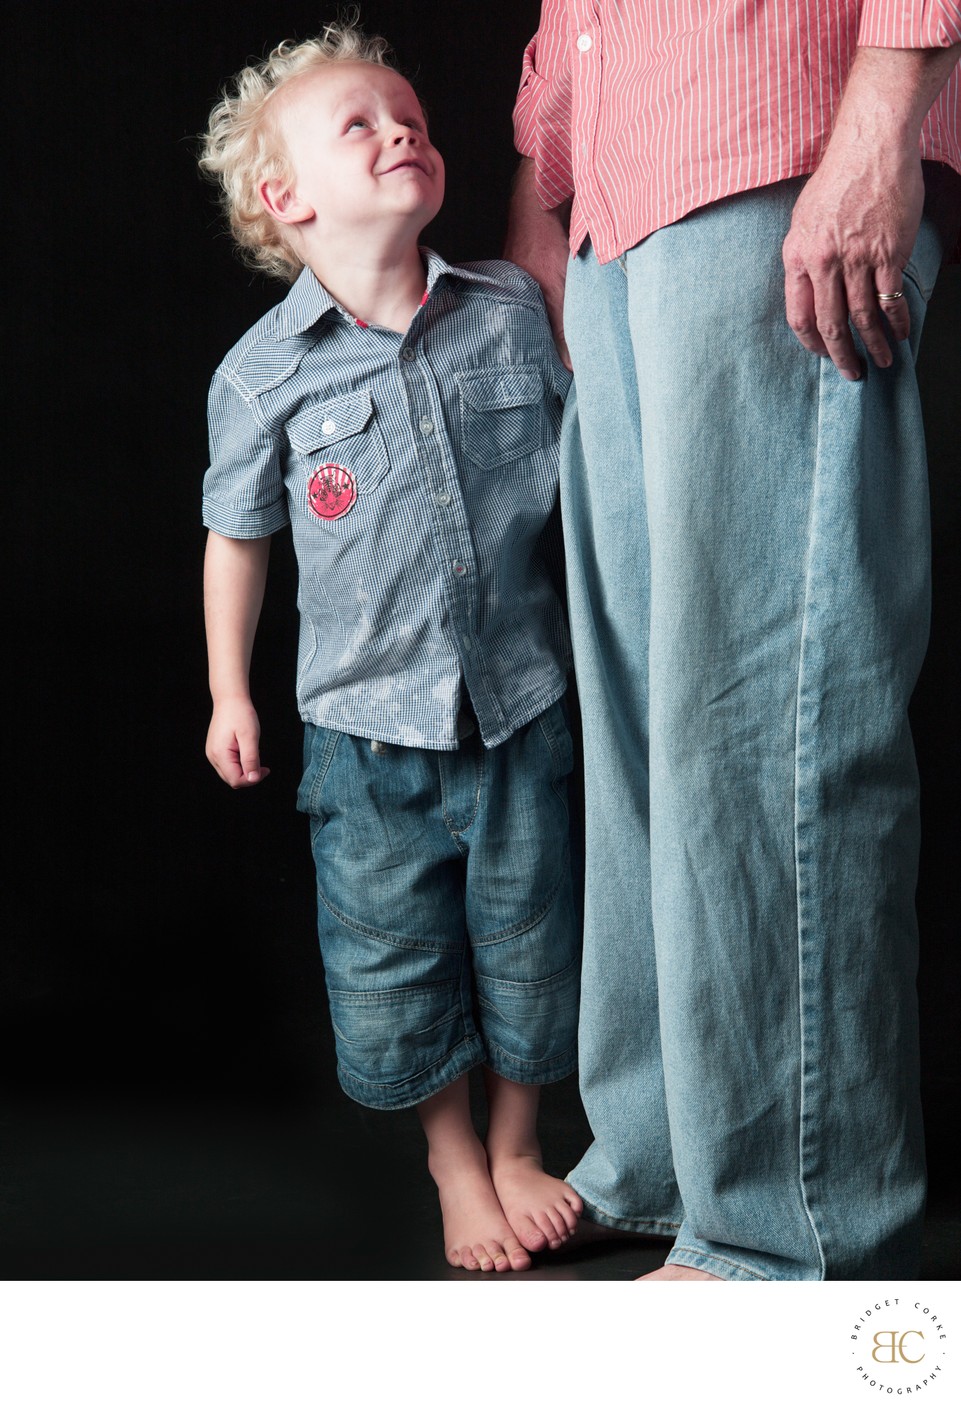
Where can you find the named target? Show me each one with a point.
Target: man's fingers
(563, 351)
(554, 303)
(801, 317)
(832, 312)
(888, 281)
(868, 314)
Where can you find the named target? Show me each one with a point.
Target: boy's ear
(282, 203)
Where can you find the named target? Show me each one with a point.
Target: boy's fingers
(250, 768)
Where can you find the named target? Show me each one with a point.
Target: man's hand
(856, 221)
(853, 231)
(537, 241)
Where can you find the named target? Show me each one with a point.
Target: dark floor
(156, 1189)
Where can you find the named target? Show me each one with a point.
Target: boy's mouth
(408, 161)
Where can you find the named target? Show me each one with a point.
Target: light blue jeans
(748, 559)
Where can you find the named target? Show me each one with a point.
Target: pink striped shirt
(644, 110)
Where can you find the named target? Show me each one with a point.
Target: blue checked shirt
(418, 473)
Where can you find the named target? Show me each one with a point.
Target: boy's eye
(357, 122)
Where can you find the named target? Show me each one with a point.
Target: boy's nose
(403, 134)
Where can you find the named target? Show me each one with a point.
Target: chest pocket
(341, 431)
(503, 413)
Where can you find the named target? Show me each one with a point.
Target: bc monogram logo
(893, 1343)
(905, 1362)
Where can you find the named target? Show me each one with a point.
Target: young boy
(401, 414)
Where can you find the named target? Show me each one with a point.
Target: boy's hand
(233, 744)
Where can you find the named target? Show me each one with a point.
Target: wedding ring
(891, 298)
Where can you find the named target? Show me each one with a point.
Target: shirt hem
(609, 246)
(387, 734)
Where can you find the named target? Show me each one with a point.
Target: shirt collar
(308, 300)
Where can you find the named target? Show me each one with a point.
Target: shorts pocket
(319, 746)
(503, 413)
(553, 725)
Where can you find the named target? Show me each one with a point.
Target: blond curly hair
(242, 146)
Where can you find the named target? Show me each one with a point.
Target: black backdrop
(160, 938)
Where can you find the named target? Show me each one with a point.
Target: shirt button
(443, 498)
(468, 645)
(426, 424)
(584, 42)
(458, 568)
(408, 354)
(329, 427)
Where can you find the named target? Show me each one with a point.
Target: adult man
(747, 556)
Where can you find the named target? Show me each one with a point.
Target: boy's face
(357, 142)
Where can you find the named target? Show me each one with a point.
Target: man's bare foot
(672, 1272)
(542, 1211)
(477, 1234)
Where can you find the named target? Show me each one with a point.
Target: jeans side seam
(798, 858)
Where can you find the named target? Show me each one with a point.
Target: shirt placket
(450, 525)
(587, 61)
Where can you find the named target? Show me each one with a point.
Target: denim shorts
(445, 908)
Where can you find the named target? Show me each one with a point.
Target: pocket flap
(497, 388)
(326, 422)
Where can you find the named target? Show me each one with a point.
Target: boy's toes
(528, 1233)
(566, 1214)
(497, 1257)
(553, 1228)
(517, 1257)
(462, 1257)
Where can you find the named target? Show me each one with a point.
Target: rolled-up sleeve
(244, 494)
(910, 24)
(542, 113)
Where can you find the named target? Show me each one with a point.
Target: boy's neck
(384, 287)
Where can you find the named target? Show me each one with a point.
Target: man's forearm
(889, 93)
(537, 241)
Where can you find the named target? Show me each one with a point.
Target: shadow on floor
(148, 1189)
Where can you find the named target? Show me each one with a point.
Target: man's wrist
(888, 95)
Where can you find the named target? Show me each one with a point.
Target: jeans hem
(723, 1267)
(532, 1073)
(653, 1227)
(404, 1094)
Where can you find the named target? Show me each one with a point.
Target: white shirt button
(443, 498)
(329, 427)
(426, 424)
(584, 42)
(458, 567)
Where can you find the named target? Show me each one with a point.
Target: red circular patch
(331, 492)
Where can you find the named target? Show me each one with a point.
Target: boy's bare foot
(477, 1235)
(542, 1211)
(671, 1272)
